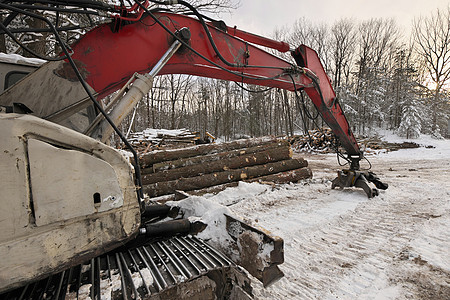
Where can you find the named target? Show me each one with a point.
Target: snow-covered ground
(341, 245)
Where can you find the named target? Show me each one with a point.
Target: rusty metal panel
(50, 90)
(14, 214)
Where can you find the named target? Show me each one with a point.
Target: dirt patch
(424, 280)
(427, 287)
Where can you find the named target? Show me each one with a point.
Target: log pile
(374, 144)
(199, 167)
(156, 138)
(322, 141)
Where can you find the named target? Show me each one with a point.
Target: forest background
(383, 76)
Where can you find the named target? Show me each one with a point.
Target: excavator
(75, 223)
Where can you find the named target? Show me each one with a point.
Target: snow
(18, 59)
(196, 208)
(441, 148)
(147, 276)
(84, 292)
(240, 193)
(153, 134)
(341, 245)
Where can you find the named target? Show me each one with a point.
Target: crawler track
(139, 272)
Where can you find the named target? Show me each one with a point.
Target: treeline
(382, 77)
(220, 107)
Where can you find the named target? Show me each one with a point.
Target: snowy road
(341, 245)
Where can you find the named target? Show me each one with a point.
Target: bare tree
(377, 38)
(313, 35)
(209, 6)
(432, 43)
(2, 39)
(342, 46)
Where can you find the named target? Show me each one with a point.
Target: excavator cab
(65, 197)
(13, 68)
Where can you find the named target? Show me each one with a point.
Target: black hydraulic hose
(119, 133)
(57, 9)
(317, 86)
(307, 113)
(211, 40)
(18, 30)
(303, 117)
(86, 88)
(97, 5)
(169, 228)
(11, 16)
(208, 34)
(252, 91)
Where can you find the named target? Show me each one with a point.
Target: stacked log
(203, 166)
(324, 141)
(155, 138)
(375, 143)
(318, 141)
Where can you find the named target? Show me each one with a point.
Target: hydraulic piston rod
(141, 87)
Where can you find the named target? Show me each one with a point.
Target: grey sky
(263, 16)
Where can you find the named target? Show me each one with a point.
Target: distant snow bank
(431, 148)
(19, 59)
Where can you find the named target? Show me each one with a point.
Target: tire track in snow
(333, 254)
(352, 255)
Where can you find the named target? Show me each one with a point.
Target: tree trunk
(154, 157)
(200, 182)
(189, 161)
(38, 45)
(289, 125)
(2, 39)
(285, 177)
(237, 162)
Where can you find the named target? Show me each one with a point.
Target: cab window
(14, 76)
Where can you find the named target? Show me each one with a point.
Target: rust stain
(237, 53)
(88, 50)
(66, 71)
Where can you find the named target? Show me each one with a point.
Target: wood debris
(324, 141)
(150, 139)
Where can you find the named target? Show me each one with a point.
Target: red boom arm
(110, 58)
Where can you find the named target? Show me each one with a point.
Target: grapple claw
(349, 178)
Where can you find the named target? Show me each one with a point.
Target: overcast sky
(263, 16)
